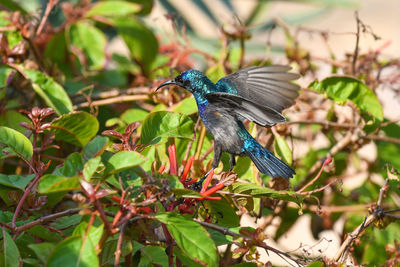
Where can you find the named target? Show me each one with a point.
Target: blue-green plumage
(255, 94)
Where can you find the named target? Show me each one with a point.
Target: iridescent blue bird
(257, 94)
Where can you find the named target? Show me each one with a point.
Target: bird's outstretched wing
(245, 109)
(268, 86)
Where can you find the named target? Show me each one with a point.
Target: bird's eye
(179, 79)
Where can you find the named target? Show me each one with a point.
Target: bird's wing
(267, 86)
(245, 109)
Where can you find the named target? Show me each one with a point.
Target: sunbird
(257, 94)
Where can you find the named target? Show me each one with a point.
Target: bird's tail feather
(267, 163)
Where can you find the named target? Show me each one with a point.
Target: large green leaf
(341, 89)
(161, 124)
(77, 128)
(51, 183)
(283, 150)
(187, 106)
(90, 41)
(191, 237)
(42, 250)
(73, 251)
(10, 255)
(123, 160)
(113, 9)
(259, 191)
(16, 181)
(17, 142)
(140, 40)
(52, 93)
(95, 147)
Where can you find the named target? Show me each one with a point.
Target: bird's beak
(166, 83)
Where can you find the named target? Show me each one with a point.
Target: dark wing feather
(267, 86)
(245, 109)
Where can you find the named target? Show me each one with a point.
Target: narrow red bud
(161, 169)
(172, 160)
(187, 169)
(207, 181)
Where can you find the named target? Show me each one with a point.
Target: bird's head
(192, 80)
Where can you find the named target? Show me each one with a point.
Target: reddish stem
(326, 162)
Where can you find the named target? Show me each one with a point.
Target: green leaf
(72, 165)
(259, 191)
(91, 42)
(95, 232)
(44, 233)
(50, 183)
(17, 142)
(95, 147)
(153, 255)
(11, 256)
(73, 251)
(90, 167)
(245, 264)
(140, 40)
(12, 119)
(123, 160)
(76, 128)
(316, 264)
(16, 181)
(341, 89)
(185, 260)
(113, 9)
(52, 93)
(42, 250)
(222, 213)
(134, 114)
(5, 73)
(283, 150)
(161, 124)
(191, 237)
(187, 106)
(183, 192)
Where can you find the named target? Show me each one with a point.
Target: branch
(326, 123)
(113, 100)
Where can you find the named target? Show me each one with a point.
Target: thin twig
(382, 138)
(49, 7)
(327, 123)
(113, 100)
(118, 250)
(356, 48)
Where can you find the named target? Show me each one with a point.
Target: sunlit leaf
(52, 93)
(161, 124)
(17, 142)
(77, 128)
(51, 183)
(283, 150)
(42, 250)
(123, 160)
(71, 166)
(341, 89)
(113, 8)
(16, 181)
(191, 237)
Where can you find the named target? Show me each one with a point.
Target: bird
(257, 94)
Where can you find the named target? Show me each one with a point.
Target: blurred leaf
(5, 73)
(187, 106)
(146, 6)
(90, 41)
(123, 160)
(52, 93)
(141, 41)
(73, 251)
(283, 150)
(44, 233)
(153, 255)
(12, 119)
(183, 192)
(17, 142)
(342, 89)
(10, 256)
(245, 264)
(42, 250)
(134, 114)
(389, 153)
(113, 8)
(16, 181)
(289, 218)
(260, 191)
(90, 167)
(94, 233)
(219, 238)
(316, 264)
(71, 166)
(95, 147)
(215, 73)
(191, 237)
(50, 183)
(76, 128)
(161, 124)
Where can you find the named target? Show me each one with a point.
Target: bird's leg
(217, 158)
(232, 162)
